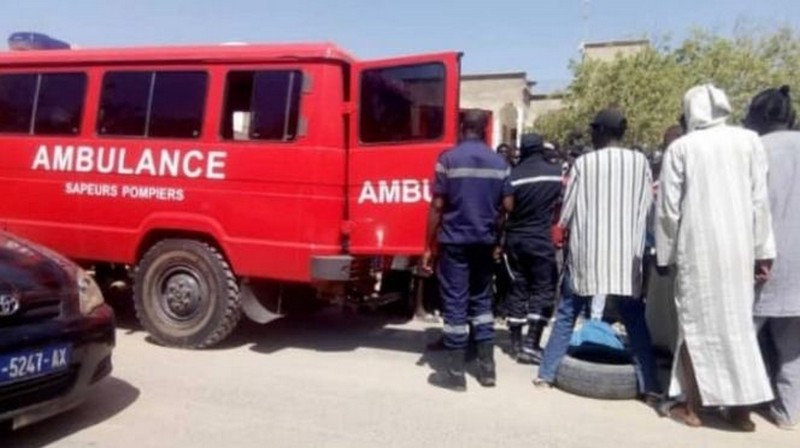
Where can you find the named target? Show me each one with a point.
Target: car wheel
(186, 294)
(596, 379)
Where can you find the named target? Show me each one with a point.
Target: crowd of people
(718, 211)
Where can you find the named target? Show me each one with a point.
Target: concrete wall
(508, 95)
(611, 50)
(503, 94)
(542, 105)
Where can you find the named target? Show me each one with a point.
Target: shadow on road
(108, 399)
(332, 330)
(337, 331)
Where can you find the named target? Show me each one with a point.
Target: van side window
(123, 103)
(262, 105)
(17, 93)
(178, 102)
(401, 104)
(153, 104)
(53, 101)
(60, 104)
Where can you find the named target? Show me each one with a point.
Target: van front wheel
(186, 294)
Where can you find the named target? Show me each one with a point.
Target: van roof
(177, 54)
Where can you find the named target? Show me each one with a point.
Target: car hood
(27, 267)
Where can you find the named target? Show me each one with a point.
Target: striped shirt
(608, 197)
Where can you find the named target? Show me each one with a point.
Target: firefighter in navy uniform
(531, 254)
(471, 197)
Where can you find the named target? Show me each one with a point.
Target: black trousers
(532, 263)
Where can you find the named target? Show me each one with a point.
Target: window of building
(54, 101)
(153, 104)
(400, 104)
(262, 105)
(60, 104)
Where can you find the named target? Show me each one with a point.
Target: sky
(536, 36)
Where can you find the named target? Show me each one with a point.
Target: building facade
(506, 95)
(511, 97)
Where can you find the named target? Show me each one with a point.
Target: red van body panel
(269, 205)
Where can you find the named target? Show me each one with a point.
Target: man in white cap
(714, 226)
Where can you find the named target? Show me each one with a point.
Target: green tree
(650, 85)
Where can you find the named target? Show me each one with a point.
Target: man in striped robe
(714, 225)
(608, 197)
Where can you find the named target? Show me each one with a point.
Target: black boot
(452, 377)
(515, 339)
(531, 349)
(486, 372)
(437, 345)
(472, 351)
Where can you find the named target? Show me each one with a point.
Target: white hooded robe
(713, 223)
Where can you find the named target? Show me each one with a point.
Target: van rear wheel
(186, 294)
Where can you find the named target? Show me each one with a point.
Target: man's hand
(427, 262)
(763, 270)
(498, 253)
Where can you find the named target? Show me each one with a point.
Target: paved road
(340, 380)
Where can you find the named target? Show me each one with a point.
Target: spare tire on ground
(593, 379)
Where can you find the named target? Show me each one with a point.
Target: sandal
(679, 413)
(542, 384)
(653, 400)
(739, 419)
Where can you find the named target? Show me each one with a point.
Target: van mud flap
(253, 308)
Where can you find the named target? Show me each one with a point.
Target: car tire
(186, 294)
(597, 380)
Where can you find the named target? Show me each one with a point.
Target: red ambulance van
(210, 170)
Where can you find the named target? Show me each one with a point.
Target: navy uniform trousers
(465, 281)
(532, 262)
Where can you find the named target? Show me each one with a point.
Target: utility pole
(587, 12)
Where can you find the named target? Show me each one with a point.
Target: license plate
(32, 363)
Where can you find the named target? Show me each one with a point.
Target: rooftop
(617, 43)
(498, 75)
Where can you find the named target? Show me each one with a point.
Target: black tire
(186, 294)
(597, 380)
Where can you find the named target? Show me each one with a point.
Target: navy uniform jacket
(538, 185)
(473, 180)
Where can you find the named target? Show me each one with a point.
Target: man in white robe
(714, 226)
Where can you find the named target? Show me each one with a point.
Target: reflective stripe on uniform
(536, 179)
(528, 350)
(508, 267)
(456, 329)
(535, 317)
(483, 319)
(516, 321)
(475, 173)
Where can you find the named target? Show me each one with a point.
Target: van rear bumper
(348, 268)
(333, 268)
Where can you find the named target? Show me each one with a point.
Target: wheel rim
(181, 294)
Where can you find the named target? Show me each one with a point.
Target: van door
(405, 113)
